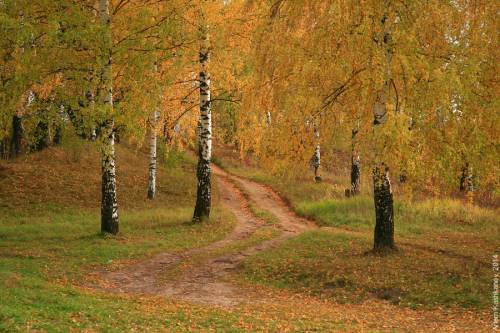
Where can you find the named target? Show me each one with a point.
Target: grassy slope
(446, 247)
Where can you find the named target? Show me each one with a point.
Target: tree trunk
(466, 179)
(17, 136)
(355, 175)
(93, 133)
(382, 192)
(316, 158)
(152, 157)
(316, 163)
(57, 135)
(355, 165)
(203, 195)
(109, 203)
(5, 148)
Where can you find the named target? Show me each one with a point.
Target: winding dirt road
(205, 277)
(204, 282)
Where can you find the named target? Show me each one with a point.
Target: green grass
(445, 248)
(355, 213)
(429, 216)
(74, 239)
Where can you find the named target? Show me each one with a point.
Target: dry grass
(69, 176)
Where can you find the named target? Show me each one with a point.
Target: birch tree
(355, 163)
(109, 202)
(203, 173)
(152, 154)
(316, 158)
(382, 190)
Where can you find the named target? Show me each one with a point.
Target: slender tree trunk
(5, 148)
(203, 195)
(316, 162)
(463, 178)
(355, 175)
(316, 158)
(355, 165)
(17, 128)
(382, 191)
(466, 179)
(152, 156)
(17, 136)
(109, 203)
(153, 122)
(93, 133)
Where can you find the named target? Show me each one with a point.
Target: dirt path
(204, 283)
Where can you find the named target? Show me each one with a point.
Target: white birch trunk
(109, 203)
(203, 196)
(152, 155)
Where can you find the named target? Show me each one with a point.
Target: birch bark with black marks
(316, 158)
(382, 190)
(203, 194)
(152, 155)
(355, 164)
(109, 203)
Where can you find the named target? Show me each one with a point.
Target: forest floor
(256, 266)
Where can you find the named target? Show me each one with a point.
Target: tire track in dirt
(204, 283)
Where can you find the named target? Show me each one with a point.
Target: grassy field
(444, 258)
